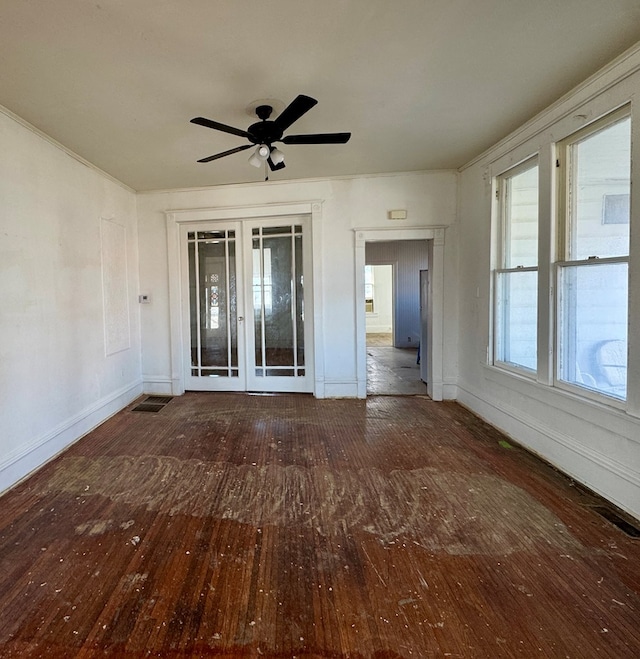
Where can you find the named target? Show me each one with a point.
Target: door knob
(240, 319)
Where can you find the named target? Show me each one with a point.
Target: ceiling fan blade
(319, 138)
(208, 123)
(226, 153)
(294, 111)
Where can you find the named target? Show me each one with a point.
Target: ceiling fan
(265, 132)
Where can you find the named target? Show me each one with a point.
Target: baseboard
(604, 475)
(27, 459)
(449, 391)
(153, 384)
(340, 389)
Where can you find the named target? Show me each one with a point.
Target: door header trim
(242, 212)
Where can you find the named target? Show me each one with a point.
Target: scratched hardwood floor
(283, 526)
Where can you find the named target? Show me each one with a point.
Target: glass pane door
(253, 269)
(280, 291)
(214, 340)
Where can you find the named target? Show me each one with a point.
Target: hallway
(231, 525)
(392, 371)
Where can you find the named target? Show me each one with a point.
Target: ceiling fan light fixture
(259, 155)
(277, 156)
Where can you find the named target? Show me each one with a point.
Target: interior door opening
(394, 322)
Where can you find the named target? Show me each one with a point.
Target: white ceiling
(421, 84)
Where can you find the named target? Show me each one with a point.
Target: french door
(246, 291)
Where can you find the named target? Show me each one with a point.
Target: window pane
(593, 326)
(599, 186)
(516, 314)
(521, 219)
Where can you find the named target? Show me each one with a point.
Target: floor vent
(615, 519)
(158, 400)
(152, 404)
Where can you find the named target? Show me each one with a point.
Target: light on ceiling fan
(277, 156)
(259, 155)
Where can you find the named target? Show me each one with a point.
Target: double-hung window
(592, 284)
(516, 277)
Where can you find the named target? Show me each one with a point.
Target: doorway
(379, 304)
(393, 369)
(432, 352)
(246, 305)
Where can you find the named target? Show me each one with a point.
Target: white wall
(56, 382)
(596, 442)
(346, 204)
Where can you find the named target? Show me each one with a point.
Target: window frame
(503, 242)
(564, 213)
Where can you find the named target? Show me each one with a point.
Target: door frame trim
(434, 238)
(176, 218)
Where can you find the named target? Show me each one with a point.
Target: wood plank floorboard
(229, 525)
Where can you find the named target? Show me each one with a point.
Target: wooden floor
(283, 526)
(393, 371)
(379, 340)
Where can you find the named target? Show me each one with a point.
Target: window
(594, 254)
(369, 284)
(516, 278)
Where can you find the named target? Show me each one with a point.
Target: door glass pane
(279, 372)
(233, 303)
(213, 305)
(299, 301)
(593, 319)
(260, 292)
(278, 299)
(193, 303)
(275, 231)
(278, 316)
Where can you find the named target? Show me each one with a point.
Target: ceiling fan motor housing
(264, 131)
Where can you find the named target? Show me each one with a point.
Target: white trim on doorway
(434, 349)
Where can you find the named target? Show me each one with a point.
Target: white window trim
(500, 188)
(563, 164)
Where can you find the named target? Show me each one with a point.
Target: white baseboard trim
(609, 478)
(340, 388)
(157, 384)
(30, 457)
(449, 391)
